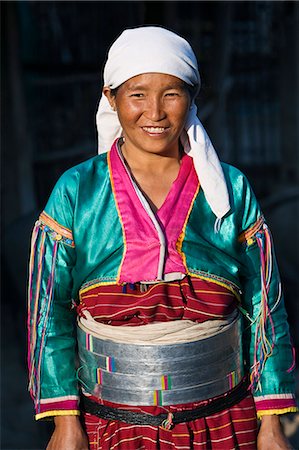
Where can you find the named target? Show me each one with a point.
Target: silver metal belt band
(161, 374)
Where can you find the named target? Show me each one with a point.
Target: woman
(160, 247)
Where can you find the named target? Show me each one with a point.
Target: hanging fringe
(217, 225)
(79, 379)
(32, 315)
(293, 365)
(264, 345)
(38, 306)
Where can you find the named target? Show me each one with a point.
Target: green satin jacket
(93, 230)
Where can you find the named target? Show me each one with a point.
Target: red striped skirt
(230, 429)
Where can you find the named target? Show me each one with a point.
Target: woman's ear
(110, 97)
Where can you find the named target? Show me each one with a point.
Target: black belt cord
(212, 407)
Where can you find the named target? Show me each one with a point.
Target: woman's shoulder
(232, 173)
(87, 167)
(242, 197)
(237, 182)
(95, 166)
(86, 174)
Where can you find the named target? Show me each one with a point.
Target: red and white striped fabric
(190, 299)
(231, 429)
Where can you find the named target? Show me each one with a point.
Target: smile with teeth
(154, 130)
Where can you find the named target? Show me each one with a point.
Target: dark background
(52, 55)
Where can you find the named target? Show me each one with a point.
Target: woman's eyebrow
(175, 85)
(135, 87)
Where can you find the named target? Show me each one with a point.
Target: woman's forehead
(154, 79)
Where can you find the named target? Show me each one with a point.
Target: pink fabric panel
(173, 212)
(142, 241)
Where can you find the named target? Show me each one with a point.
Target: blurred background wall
(52, 54)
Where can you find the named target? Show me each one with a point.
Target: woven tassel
(79, 379)
(38, 306)
(167, 424)
(263, 345)
(33, 303)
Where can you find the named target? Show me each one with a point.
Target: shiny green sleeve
(267, 340)
(51, 319)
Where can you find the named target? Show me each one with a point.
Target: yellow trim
(271, 412)
(59, 230)
(220, 283)
(92, 286)
(181, 435)
(250, 232)
(220, 427)
(243, 420)
(57, 412)
(202, 291)
(179, 243)
(119, 215)
(48, 220)
(179, 246)
(199, 431)
(153, 286)
(216, 316)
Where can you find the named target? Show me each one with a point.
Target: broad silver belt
(168, 374)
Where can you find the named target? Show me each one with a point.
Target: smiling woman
(142, 264)
(152, 109)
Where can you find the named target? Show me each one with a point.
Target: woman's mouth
(154, 130)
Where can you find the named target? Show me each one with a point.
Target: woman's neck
(147, 162)
(153, 173)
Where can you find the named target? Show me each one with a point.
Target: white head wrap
(155, 49)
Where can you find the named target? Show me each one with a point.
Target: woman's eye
(171, 94)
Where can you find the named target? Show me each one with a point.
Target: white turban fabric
(155, 49)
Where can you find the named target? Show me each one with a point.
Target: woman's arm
(51, 319)
(267, 346)
(271, 435)
(68, 434)
(266, 338)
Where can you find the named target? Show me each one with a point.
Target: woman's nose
(154, 110)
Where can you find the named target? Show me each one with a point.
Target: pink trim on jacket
(142, 240)
(275, 401)
(58, 405)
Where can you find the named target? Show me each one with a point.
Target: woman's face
(152, 109)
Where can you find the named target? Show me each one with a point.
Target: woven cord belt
(212, 406)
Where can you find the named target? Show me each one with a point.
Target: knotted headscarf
(155, 49)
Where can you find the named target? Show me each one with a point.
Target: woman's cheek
(131, 108)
